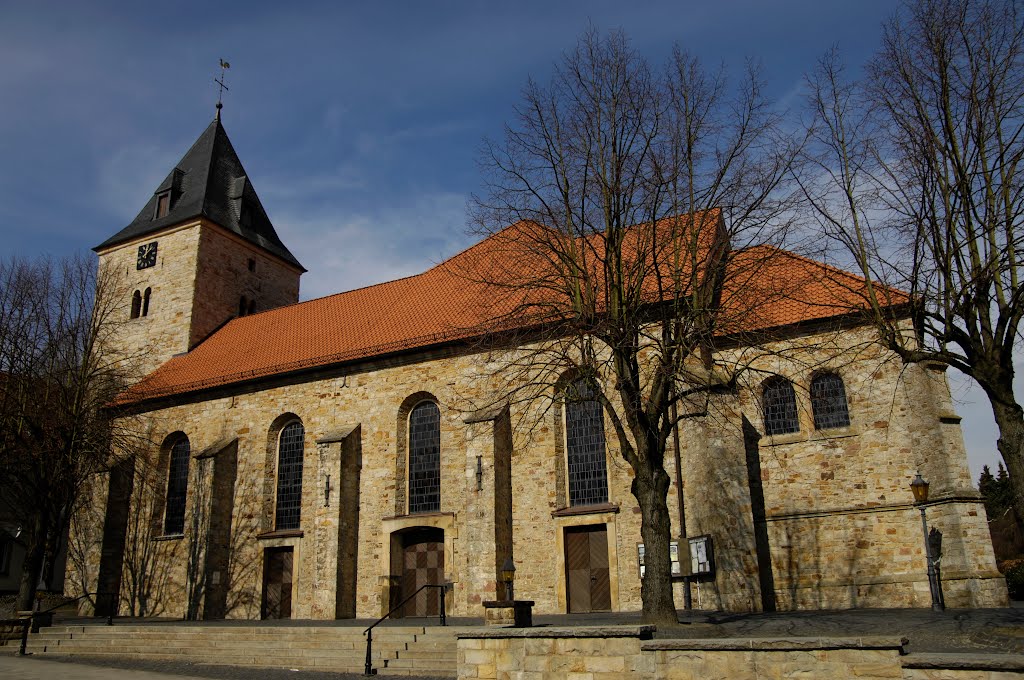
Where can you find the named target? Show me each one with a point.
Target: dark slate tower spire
(210, 182)
(200, 252)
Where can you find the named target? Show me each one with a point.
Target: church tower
(201, 252)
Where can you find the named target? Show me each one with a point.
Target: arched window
(243, 306)
(289, 476)
(145, 302)
(828, 402)
(136, 304)
(252, 307)
(425, 458)
(584, 446)
(780, 415)
(177, 487)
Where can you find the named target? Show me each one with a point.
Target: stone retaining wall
(599, 653)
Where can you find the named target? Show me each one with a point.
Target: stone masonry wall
(829, 524)
(838, 523)
(182, 312)
(150, 340)
(223, 269)
(597, 653)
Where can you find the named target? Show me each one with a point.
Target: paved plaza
(967, 631)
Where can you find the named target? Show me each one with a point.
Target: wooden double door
(422, 562)
(277, 583)
(587, 581)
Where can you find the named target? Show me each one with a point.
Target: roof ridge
(205, 208)
(480, 243)
(433, 308)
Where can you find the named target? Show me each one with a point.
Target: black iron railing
(25, 623)
(368, 668)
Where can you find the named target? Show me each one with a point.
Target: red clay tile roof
(448, 303)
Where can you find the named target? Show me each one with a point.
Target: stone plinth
(516, 613)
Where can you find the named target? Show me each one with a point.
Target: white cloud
(348, 250)
(128, 176)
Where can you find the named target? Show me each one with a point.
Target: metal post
(440, 605)
(933, 579)
(368, 668)
(24, 637)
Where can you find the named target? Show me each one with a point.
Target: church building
(325, 459)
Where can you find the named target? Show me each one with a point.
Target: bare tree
(614, 177)
(919, 179)
(55, 380)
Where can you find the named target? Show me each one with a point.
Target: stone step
(397, 650)
(322, 638)
(428, 653)
(195, 648)
(263, 661)
(422, 664)
(210, 653)
(200, 644)
(237, 631)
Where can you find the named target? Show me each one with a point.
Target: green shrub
(1015, 581)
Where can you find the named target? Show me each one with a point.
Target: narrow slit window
(145, 301)
(177, 488)
(136, 304)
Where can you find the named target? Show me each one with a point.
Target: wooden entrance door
(422, 563)
(277, 583)
(588, 588)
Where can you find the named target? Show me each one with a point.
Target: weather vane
(224, 66)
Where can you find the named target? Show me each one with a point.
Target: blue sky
(358, 122)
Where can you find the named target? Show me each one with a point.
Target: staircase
(397, 650)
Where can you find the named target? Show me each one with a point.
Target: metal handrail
(25, 624)
(368, 667)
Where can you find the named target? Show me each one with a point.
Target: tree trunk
(650, 487)
(1010, 421)
(33, 564)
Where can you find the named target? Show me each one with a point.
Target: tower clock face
(147, 256)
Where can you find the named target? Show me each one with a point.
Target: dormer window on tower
(165, 197)
(163, 204)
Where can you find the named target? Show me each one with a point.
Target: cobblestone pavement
(83, 668)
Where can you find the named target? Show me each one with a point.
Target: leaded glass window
(177, 488)
(780, 415)
(828, 402)
(289, 476)
(584, 444)
(425, 458)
